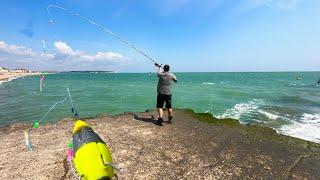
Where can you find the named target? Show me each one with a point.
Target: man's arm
(174, 79)
(159, 69)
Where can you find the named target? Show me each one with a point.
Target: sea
(288, 102)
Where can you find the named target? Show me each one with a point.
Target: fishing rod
(103, 28)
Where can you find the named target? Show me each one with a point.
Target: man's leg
(169, 107)
(170, 112)
(160, 118)
(160, 102)
(160, 112)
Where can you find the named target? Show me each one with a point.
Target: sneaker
(160, 120)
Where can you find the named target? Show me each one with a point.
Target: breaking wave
(241, 109)
(8, 80)
(308, 128)
(269, 115)
(209, 83)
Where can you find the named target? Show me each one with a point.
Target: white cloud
(63, 57)
(48, 55)
(16, 50)
(103, 56)
(65, 50)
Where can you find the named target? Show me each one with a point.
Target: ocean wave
(209, 83)
(308, 128)
(302, 100)
(269, 115)
(8, 80)
(242, 108)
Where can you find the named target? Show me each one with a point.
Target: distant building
(2, 69)
(19, 70)
(22, 70)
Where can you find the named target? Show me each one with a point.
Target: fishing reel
(158, 65)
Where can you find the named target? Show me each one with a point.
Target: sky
(189, 35)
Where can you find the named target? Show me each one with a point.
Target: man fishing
(164, 90)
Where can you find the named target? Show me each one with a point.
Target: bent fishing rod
(106, 30)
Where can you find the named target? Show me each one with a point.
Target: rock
(195, 146)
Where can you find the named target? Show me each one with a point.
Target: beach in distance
(9, 76)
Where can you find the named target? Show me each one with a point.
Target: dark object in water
(319, 81)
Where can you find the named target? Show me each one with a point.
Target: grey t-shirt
(165, 82)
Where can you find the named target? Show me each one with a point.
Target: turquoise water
(277, 100)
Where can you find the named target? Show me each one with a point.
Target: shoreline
(9, 76)
(195, 145)
(210, 115)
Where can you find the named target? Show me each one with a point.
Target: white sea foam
(242, 108)
(209, 83)
(13, 78)
(269, 115)
(10, 79)
(308, 128)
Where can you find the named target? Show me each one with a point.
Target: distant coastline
(9, 76)
(88, 72)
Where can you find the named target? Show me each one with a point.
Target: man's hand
(157, 65)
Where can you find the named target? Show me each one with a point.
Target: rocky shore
(194, 146)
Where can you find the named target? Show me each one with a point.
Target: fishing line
(52, 107)
(73, 109)
(70, 158)
(44, 47)
(36, 124)
(106, 30)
